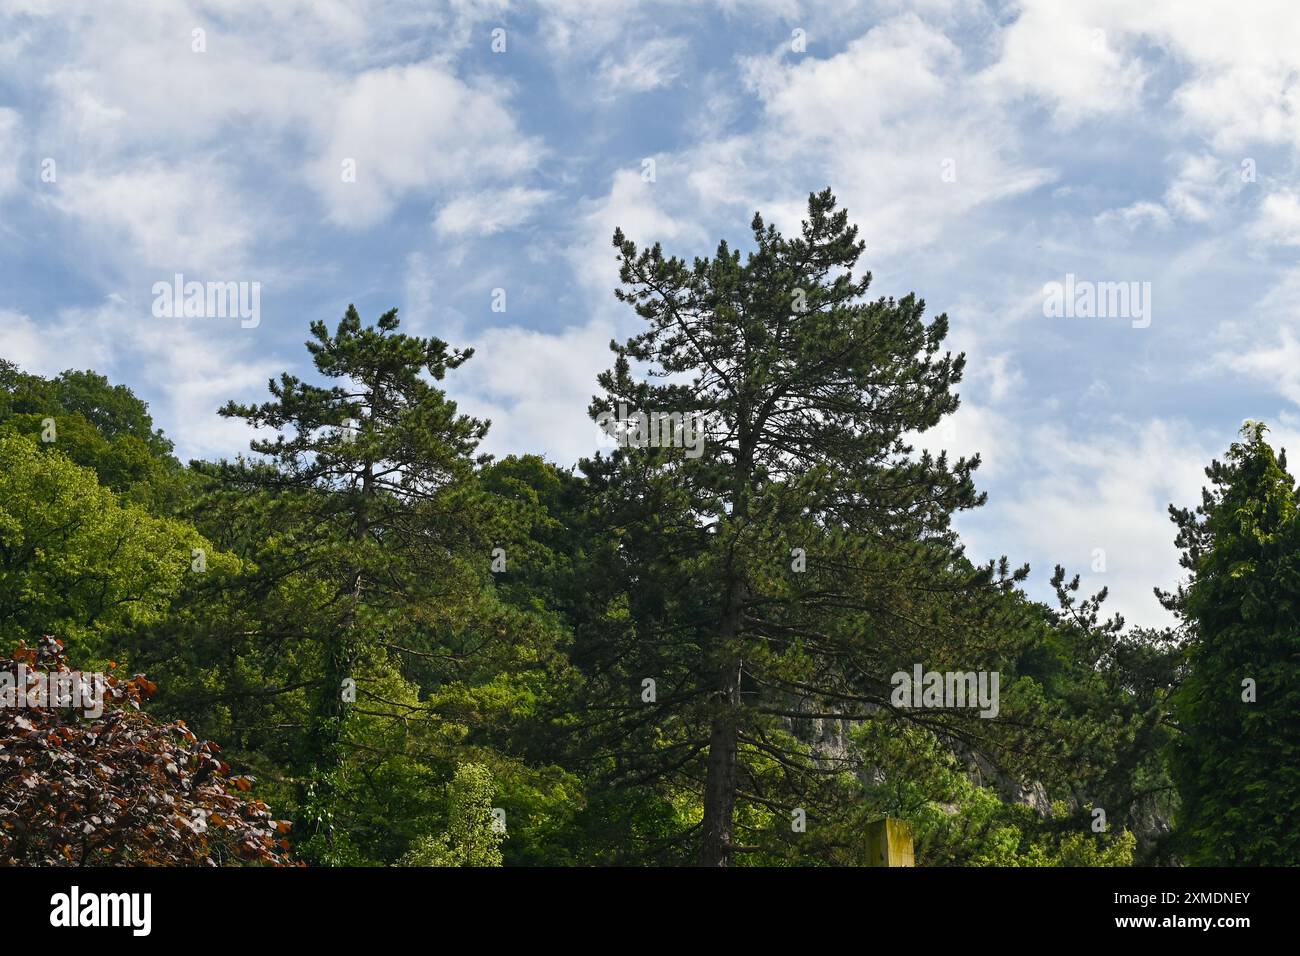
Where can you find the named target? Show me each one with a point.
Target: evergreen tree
(1236, 758)
(1113, 686)
(779, 574)
(371, 490)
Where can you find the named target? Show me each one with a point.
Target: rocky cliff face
(829, 738)
(1149, 818)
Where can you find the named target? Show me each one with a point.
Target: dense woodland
(366, 643)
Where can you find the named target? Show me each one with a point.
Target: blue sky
(985, 150)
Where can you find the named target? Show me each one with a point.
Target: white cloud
(639, 208)
(1003, 376)
(413, 130)
(1265, 347)
(1243, 87)
(1238, 81)
(1071, 55)
(535, 387)
(644, 66)
(42, 350)
(279, 86)
(1279, 218)
(1202, 188)
(893, 122)
(489, 211)
(185, 368)
(1134, 216)
(1278, 364)
(975, 430)
(580, 29)
(1082, 497)
(163, 218)
(1242, 104)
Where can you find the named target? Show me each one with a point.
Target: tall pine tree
(373, 492)
(776, 577)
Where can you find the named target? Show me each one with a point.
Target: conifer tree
(372, 490)
(1236, 758)
(779, 574)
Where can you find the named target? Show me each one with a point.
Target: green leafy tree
(570, 570)
(1236, 758)
(960, 822)
(98, 425)
(77, 560)
(473, 836)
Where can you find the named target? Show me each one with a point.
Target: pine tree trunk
(720, 784)
(340, 664)
(720, 780)
(342, 654)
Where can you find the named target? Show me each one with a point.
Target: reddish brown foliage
(120, 789)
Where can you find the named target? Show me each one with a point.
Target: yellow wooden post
(889, 843)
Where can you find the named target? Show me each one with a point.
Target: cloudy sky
(985, 149)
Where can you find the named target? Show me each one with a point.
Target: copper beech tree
(119, 788)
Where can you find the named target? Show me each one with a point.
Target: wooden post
(889, 843)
